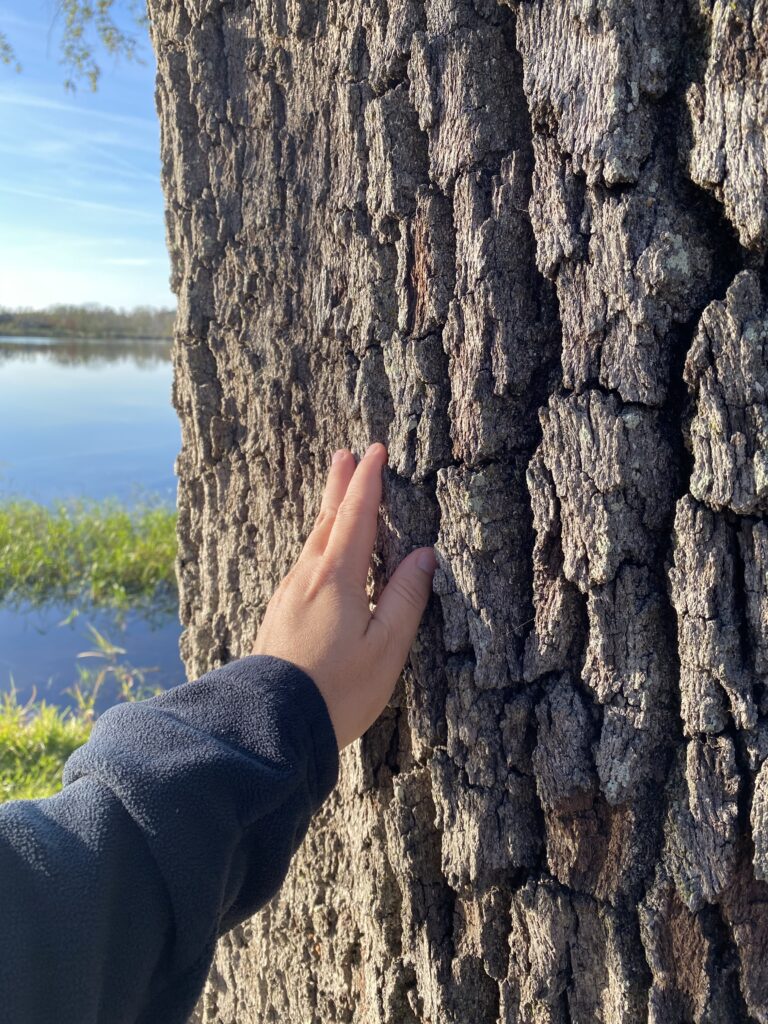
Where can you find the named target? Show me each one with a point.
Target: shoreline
(66, 336)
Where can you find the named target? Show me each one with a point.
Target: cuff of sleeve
(270, 708)
(287, 696)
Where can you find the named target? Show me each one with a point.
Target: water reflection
(39, 650)
(85, 351)
(86, 419)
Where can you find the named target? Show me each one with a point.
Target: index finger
(339, 475)
(353, 535)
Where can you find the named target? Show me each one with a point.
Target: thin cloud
(105, 165)
(88, 204)
(40, 149)
(130, 261)
(11, 19)
(44, 241)
(119, 165)
(17, 98)
(93, 138)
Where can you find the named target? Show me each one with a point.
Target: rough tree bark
(523, 245)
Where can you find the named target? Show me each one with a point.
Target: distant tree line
(90, 321)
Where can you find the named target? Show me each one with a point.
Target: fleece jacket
(177, 820)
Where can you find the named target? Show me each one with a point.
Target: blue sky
(81, 209)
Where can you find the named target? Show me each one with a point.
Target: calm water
(40, 651)
(84, 420)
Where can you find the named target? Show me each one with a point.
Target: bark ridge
(523, 244)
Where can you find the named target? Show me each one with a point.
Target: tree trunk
(522, 245)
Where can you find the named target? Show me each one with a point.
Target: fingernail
(339, 455)
(371, 447)
(427, 560)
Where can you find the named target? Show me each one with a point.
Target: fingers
(353, 535)
(401, 606)
(339, 475)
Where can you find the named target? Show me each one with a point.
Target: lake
(84, 419)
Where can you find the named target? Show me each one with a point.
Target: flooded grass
(35, 741)
(101, 553)
(82, 583)
(36, 738)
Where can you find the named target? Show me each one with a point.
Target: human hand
(319, 617)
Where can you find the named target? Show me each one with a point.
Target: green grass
(35, 741)
(98, 552)
(37, 738)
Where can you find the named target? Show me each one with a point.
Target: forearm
(177, 820)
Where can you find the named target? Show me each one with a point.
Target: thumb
(403, 601)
